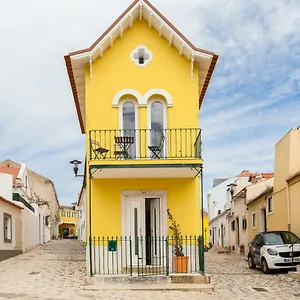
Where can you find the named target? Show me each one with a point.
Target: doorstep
(206, 288)
(174, 282)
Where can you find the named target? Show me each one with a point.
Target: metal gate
(153, 256)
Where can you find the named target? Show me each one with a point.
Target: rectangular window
(7, 228)
(63, 214)
(233, 225)
(68, 214)
(73, 214)
(254, 220)
(270, 204)
(244, 224)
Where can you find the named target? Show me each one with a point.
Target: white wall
(215, 225)
(81, 224)
(35, 231)
(6, 184)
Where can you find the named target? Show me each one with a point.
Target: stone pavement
(56, 271)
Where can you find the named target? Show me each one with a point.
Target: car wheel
(264, 266)
(250, 262)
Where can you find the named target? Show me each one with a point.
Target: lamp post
(75, 163)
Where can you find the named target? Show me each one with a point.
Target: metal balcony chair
(98, 150)
(156, 149)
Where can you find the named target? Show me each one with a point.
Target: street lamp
(75, 163)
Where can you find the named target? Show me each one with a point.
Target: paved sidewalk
(56, 271)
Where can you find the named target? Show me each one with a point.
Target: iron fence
(145, 143)
(143, 256)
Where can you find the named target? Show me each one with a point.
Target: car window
(279, 238)
(273, 238)
(289, 238)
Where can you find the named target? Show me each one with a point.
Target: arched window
(128, 124)
(128, 116)
(157, 126)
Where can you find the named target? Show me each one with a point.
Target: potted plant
(180, 260)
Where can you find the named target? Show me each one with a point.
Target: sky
(252, 101)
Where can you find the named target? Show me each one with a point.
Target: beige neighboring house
(43, 193)
(237, 215)
(286, 194)
(259, 203)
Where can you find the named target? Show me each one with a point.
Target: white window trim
(142, 100)
(136, 60)
(130, 98)
(165, 121)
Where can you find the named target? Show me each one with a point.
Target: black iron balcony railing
(128, 144)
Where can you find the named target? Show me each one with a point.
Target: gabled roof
(11, 203)
(142, 9)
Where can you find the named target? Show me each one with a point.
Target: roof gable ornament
(139, 9)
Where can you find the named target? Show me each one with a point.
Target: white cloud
(250, 104)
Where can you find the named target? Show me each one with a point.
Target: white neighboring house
(33, 221)
(81, 216)
(237, 215)
(10, 220)
(42, 192)
(219, 203)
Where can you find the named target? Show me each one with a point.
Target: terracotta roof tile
(12, 171)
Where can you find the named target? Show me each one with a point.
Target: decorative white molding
(91, 68)
(141, 11)
(160, 29)
(149, 23)
(131, 21)
(139, 6)
(171, 39)
(121, 30)
(147, 56)
(158, 92)
(181, 49)
(101, 50)
(192, 67)
(142, 100)
(125, 92)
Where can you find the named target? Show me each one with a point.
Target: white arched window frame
(162, 100)
(134, 101)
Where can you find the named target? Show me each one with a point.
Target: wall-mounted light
(75, 163)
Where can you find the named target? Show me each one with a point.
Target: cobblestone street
(57, 270)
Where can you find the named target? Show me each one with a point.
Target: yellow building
(287, 184)
(67, 220)
(259, 209)
(138, 90)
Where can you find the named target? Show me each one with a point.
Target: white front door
(135, 218)
(155, 225)
(143, 223)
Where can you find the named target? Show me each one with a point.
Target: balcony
(167, 149)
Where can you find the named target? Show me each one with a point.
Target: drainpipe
(90, 225)
(202, 215)
(288, 206)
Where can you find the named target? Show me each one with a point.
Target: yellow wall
(183, 201)
(116, 71)
(294, 192)
(255, 207)
(67, 219)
